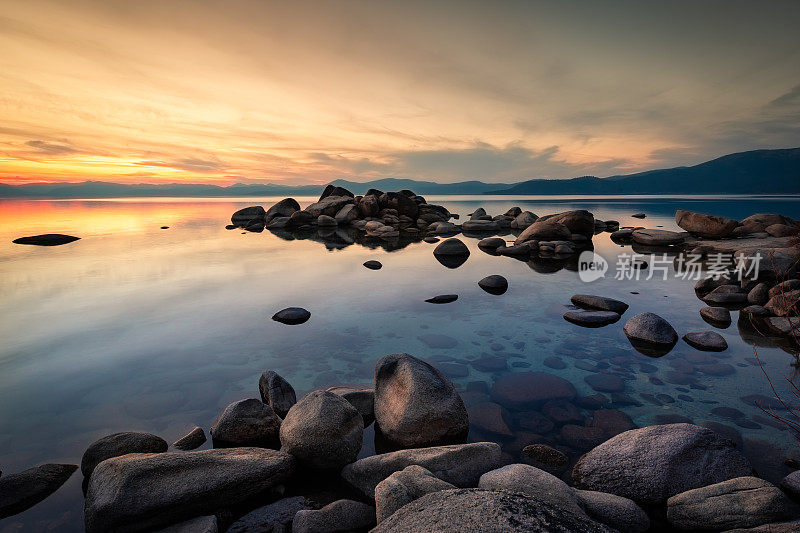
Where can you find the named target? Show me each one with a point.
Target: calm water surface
(138, 328)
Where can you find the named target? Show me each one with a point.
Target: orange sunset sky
(306, 92)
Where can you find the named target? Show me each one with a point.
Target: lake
(138, 328)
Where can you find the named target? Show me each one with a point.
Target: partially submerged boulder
(23, 490)
(118, 444)
(703, 225)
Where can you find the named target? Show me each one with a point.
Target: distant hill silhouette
(755, 172)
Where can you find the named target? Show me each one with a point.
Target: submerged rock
(292, 316)
(487, 511)
(524, 390)
(416, 405)
(735, 503)
(120, 444)
(709, 341)
(651, 464)
(25, 489)
(48, 239)
(403, 487)
(246, 423)
(459, 464)
(276, 392)
(494, 284)
(323, 430)
(192, 440)
(140, 492)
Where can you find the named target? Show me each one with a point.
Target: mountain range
(753, 172)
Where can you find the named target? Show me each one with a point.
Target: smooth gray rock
(491, 244)
(403, 487)
(577, 221)
(591, 319)
(716, 316)
(373, 265)
(708, 341)
(416, 405)
(485, 511)
(139, 492)
(292, 316)
(118, 444)
(791, 485)
(599, 303)
(532, 481)
(341, 515)
(614, 511)
(759, 295)
(459, 464)
(657, 237)
(362, 399)
(243, 217)
(247, 422)
(735, 503)
(544, 457)
(346, 214)
(275, 517)
(478, 226)
(323, 430)
(192, 440)
(328, 206)
(544, 231)
(523, 220)
(650, 464)
(276, 392)
(451, 246)
(703, 225)
(285, 208)
(23, 490)
(201, 524)
(494, 284)
(650, 329)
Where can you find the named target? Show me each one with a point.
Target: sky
(298, 92)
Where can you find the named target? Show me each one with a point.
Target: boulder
(401, 203)
(491, 244)
(459, 464)
(323, 430)
(485, 511)
(791, 485)
(651, 464)
(708, 341)
(48, 239)
(703, 225)
(494, 284)
(657, 237)
(582, 438)
(324, 221)
(140, 492)
(341, 515)
(532, 481)
(782, 230)
(523, 220)
(599, 303)
(480, 226)
(275, 517)
(300, 218)
(192, 440)
(591, 319)
(279, 222)
(285, 208)
(524, 390)
(735, 503)
(23, 490)
(451, 246)
(246, 423)
(334, 190)
(373, 265)
(544, 231)
(488, 417)
(346, 214)
(760, 221)
(292, 316)
(118, 444)
(717, 316)
(276, 392)
(416, 405)
(244, 217)
(758, 295)
(649, 329)
(614, 511)
(328, 206)
(403, 487)
(785, 303)
(362, 399)
(578, 221)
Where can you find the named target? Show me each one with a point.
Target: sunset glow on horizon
(306, 92)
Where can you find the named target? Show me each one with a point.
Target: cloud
(190, 164)
(49, 148)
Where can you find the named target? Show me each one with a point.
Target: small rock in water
(443, 299)
(638, 215)
(716, 316)
(554, 363)
(599, 303)
(25, 489)
(373, 265)
(709, 341)
(451, 246)
(491, 244)
(164, 227)
(438, 341)
(48, 239)
(494, 284)
(118, 444)
(431, 240)
(605, 382)
(650, 334)
(292, 316)
(192, 440)
(591, 319)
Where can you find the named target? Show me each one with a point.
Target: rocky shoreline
(446, 458)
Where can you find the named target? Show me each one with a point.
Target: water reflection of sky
(138, 328)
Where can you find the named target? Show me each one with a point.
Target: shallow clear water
(137, 328)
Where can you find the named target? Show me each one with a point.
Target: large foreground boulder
(403, 487)
(323, 430)
(119, 444)
(25, 489)
(416, 405)
(481, 510)
(139, 492)
(736, 503)
(703, 225)
(649, 465)
(459, 464)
